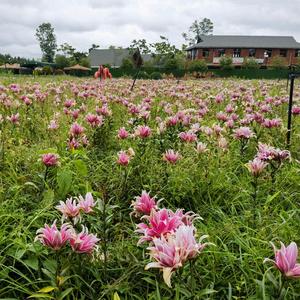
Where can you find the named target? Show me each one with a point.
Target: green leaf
(41, 296)
(47, 289)
(65, 293)
(206, 292)
(116, 296)
(19, 253)
(32, 262)
(29, 183)
(50, 265)
(64, 181)
(48, 197)
(270, 198)
(81, 167)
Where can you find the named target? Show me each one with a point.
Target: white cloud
(118, 22)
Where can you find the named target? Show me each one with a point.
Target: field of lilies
(176, 190)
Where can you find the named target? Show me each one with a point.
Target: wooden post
(289, 124)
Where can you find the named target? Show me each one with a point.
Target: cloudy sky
(117, 22)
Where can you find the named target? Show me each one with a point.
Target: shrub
(250, 63)
(198, 65)
(37, 71)
(278, 63)
(143, 75)
(226, 63)
(62, 61)
(127, 63)
(156, 76)
(46, 70)
(59, 72)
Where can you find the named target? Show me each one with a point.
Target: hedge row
(239, 73)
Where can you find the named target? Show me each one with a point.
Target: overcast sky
(117, 22)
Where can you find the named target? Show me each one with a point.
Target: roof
(10, 66)
(246, 41)
(77, 67)
(113, 57)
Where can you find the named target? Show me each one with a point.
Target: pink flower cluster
(55, 239)
(81, 242)
(269, 153)
(171, 235)
(72, 208)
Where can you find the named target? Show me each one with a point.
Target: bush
(46, 70)
(156, 76)
(127, 63)
(143, 75)
(278, 63)
(198, 65)
(62, 61)
(250, 63)
(59, 72)
(226, 63)
(37, 71)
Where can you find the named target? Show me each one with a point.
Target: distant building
(262, 48)
(112, 57)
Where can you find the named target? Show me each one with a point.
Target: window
(283, 53)
(194, 53)
(268, 53)
(251, 52)
(236, 52)
(205, 53)
(220, 52)
(297, 53)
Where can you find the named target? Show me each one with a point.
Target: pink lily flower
(52, 237)
(171, 156)
(83, 242)
(86, 204)
(286, 260)
(69, 209)
(50, 159)
(144, 204)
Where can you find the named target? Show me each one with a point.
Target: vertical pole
(136, 75)
(289, 124)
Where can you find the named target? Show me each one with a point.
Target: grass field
(214, 127)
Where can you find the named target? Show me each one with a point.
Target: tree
(94, 46)
(198, 28)
(62, 61)
(163, 51)
(46, 37)
(142, 45)
(66, 49)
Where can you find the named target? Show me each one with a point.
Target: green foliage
(127, 63)
(226, 63)
(250, 64)
(47, 70)
(198, 28)
(85, 62)
(278, 63)
(156, 75)
(62, 61)
(46, 37)
(143, 75)
(198, 65)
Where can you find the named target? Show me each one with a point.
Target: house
(112, 57)
(240, 47)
